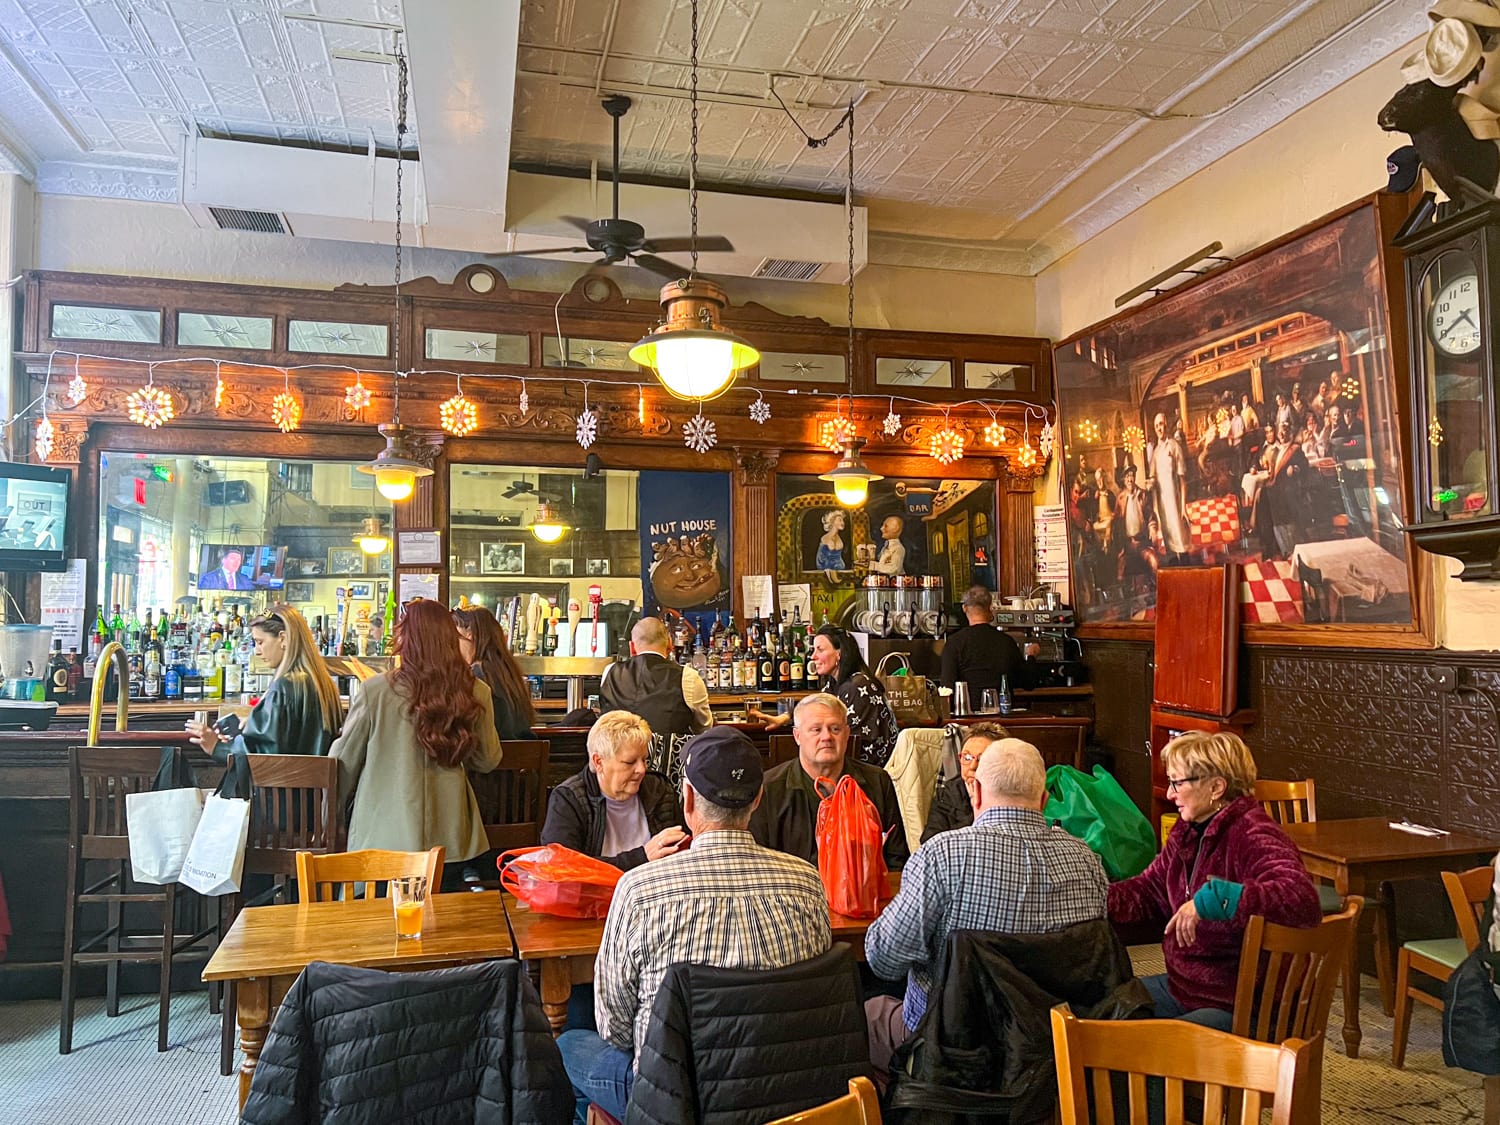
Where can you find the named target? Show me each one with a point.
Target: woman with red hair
(410, 735)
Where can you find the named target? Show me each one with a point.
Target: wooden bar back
(318, 875)
(1239, 1076)
(1288, 802)
(1288, 976)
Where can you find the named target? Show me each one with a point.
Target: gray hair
(649, 632)
(1014, 769)
(615, 730)
(979, 597)
(717, 816)
(820, 699)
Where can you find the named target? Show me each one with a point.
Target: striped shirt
(1010, 873)
(726, 902)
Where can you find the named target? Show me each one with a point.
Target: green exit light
(161, 472)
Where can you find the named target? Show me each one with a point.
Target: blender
(24, 651)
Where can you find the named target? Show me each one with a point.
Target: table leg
(557, 986)
(253, 1012)
(1345, 885)
(1385, 947)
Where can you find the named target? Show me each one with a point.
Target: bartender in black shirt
(981, 654)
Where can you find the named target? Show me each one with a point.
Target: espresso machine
(1060, 661)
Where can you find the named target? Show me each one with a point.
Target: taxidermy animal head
(1427, 113)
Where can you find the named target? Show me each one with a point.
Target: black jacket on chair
(983, 1051)
(736, 1045)
(468, 1045)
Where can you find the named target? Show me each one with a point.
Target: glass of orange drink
(408, 897)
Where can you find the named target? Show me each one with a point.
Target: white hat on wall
(1452, 52)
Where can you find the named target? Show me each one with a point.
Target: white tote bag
(217, 854)
(161, 826)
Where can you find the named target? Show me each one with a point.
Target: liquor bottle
(233, 673)
(171, 682)
(117, 626)
(1005, 698)
(57, 673)
(798, 664)
(726, 665)
(151, 682)
(101, 628)
(765, 680)
(133, 632)
(137, 667)
(784, 668)
(749, 668)
(75, 674)
(91, 661)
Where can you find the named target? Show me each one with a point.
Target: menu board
(1051, 543)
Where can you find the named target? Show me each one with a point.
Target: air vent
(789, 269)
(262, 222)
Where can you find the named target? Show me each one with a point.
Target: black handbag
(1471, 1015)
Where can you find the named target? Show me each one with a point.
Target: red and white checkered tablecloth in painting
(1216, 520)
(1270, 592)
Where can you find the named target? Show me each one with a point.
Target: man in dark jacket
(613, 809)
(950, 806)
(672, 698)
(787, 818)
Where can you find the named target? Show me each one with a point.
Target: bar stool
(99, 778)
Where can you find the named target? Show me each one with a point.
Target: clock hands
(1459, 319)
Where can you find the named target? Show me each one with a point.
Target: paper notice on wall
(62, 604)
(759, 589)
(1051, 543)
(414, 586)
(794, 597)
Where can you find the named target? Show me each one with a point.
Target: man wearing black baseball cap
(725, 901)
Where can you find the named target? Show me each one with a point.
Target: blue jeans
(1167, 1007)
(600, 1073)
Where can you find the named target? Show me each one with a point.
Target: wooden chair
(1438, 957)
(1287, 976)
(99, 779)
(513, 797)
(783, 748)
(293, 808)
(1288, 802)
(323, 877)
(860, 1106)
(1058, 746)
(1231, 1070)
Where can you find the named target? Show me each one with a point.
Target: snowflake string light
(1134, 439)
(946, 446)
(700, 434)
(1026, 456)
(836, 433)
(1048, 436)
(994, 434)
(1434, 432)
(1088, 431)
(525, 401)
(892, 424)
(286, 412)
(150, 406)
(640, 407)
(218, 390)
(357, 396)
(458, 415)
(760, 411)
(78, 389)
(45, 433)
(587, 428)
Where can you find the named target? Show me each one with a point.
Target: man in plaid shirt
(1009, 873)
(725, 902)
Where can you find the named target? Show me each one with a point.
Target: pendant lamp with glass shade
(394, 468)
(693, 355)
(370, 538)
(547, 526)
(851, 477)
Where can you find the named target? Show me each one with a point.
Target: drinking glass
(408, 897)
(990, 701)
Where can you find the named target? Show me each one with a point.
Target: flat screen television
(238, 566)
(33, 516)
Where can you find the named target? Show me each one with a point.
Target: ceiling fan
(518, 488)
(620, 240)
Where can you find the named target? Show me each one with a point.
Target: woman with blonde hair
(1224, 861)
(300, 712)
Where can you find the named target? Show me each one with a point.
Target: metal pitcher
(961, 706)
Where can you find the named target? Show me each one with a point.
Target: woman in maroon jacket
(1224, 861)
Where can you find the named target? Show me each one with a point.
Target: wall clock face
(1453, 317)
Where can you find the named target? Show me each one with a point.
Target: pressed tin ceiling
(991, 135)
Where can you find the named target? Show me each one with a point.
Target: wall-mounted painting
(1249, 417)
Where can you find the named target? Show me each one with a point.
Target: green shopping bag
(1097, 811)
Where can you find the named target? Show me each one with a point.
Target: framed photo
(361, 591)
(471, 567)
(304, 568)
(346, 560)
(597, 568)
(560, 568)
(298, 592)
(502, 558)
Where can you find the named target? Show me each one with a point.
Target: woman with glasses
(1224, 861)
(482, 642)
(410, 736)
(835, 657)
(951, 807)
(300, 712)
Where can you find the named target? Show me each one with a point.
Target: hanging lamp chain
(400, 147)
(693, 145)
(849, 211)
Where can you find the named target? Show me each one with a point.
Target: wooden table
(268, 946)
(1360, 857)
(566, 947)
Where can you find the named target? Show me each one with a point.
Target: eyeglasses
(968, 759)
(1179, 782)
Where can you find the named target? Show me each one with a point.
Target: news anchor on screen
(227, 576)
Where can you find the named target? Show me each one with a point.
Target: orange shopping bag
(851, 857)
(553, 879)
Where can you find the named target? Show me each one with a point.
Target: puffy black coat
(468, 1045)
(577, 818)
(736, 1045)
(983, 1051)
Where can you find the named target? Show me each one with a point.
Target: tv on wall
(33, 516)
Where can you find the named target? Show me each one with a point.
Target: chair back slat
(780, 748)
(294, 808)
(329, 875)
(100, 778)
(513, 797)
(1240, 1077)
(1288, 802)
(860, 1106)
(1288, 976)
(1467, 892)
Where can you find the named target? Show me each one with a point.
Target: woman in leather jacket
(300, 712)
(482, 642)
